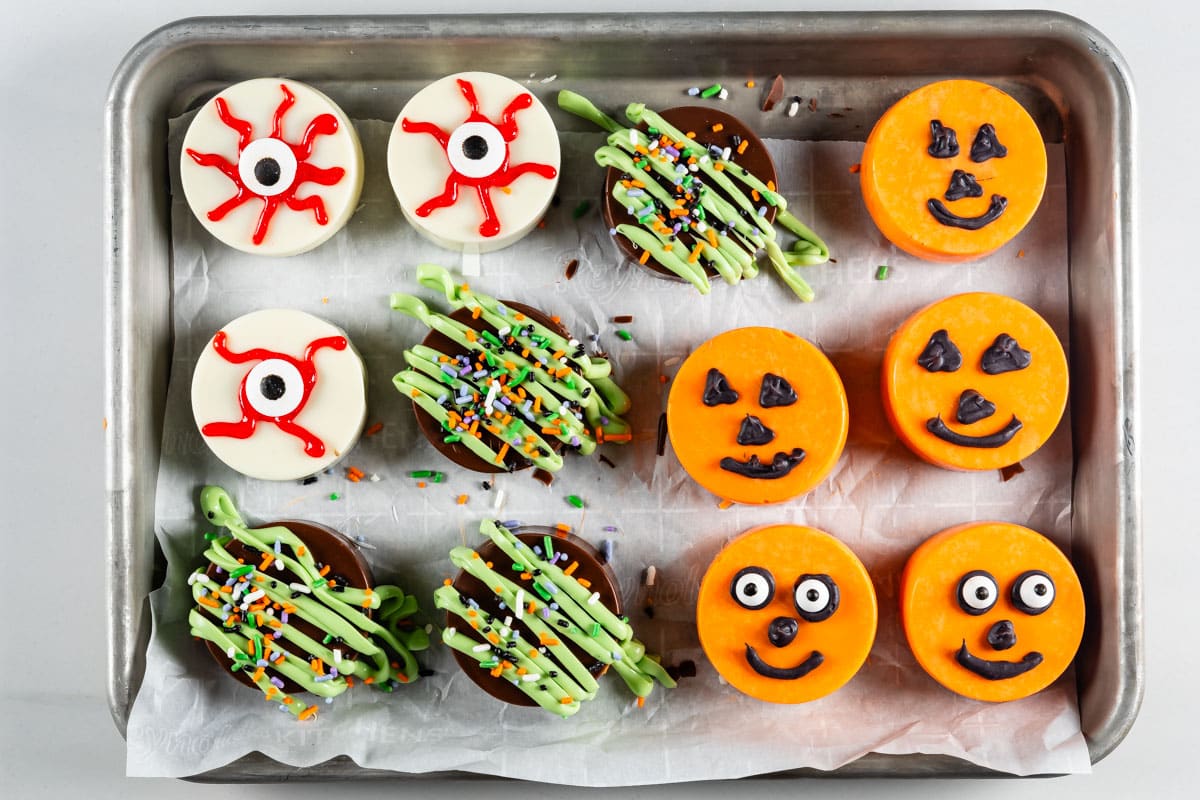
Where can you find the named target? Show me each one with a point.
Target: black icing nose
(1002, 636)
(782, 631)
(972, 407)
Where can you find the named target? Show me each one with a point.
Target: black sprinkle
(310, 480)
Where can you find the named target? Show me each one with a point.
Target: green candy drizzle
(517, 357)
(740, 232)
(562, 681)
(249, 637)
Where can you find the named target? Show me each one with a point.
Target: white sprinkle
(504, 632)
(633, 136)
(695, 90)
(195, 576)
(250, 598)
(508, 622)
(230, 652)
(429, 628)
(493, 390)
(499, 501)
(449, 633)
(726, 153)
(374, 477)
(550, 79)
(693, 167)
(651, 574)
(481, 648)
(337, 655)
(616, 655)
(505, 331)
(701, 226)
(299, 587)
(279, 565)
(530, 677)
(793, 107)
(723, 95)
(520, 603)
(592, 600)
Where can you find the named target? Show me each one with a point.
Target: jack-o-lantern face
(992, 611)
(757, 415)
(976, 381)
(953, 171)
(786, 613)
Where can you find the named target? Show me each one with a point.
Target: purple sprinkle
(635, 192)
(262, 662)
(333, 671)
(277, 683)
(676, 227)
(554, 606)
(283, 617)
(537, 549)
(482, 373)
(446, 368)
(322, 678)
(220, 571)
(506, 400)
(611, 528)
(672, 151)
(276, 634)
(545, 612)
(603, 420)
(464, 372)
(574, 441)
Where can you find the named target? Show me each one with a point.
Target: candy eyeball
(977, 592)
(752, 588)
(1033, 592)
(816, 597)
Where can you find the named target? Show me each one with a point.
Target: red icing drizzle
(502, 176)
(321, 125)
(251, 416)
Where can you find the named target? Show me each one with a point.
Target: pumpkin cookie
(953, 171)
(992, 611)
(786, 613)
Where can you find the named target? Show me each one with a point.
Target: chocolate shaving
(661, 449)
(774, 94)
(572, 268)
(812, 104)
(1011, 471)
(542, 476)
(623, 318)
(603, 459)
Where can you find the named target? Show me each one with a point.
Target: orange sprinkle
(566, 701)
(317, 666)
(258, 673)
(712, 237)
(287, 701)
(559, 354)
(1020, 254)
(690, 135)
(420, 484)
(750, 84)
(462, 499)
(300, 551)
(641, 702)
(204, 601)
(855, 169)
(557, 320)
(104, 423)
(493, 638)
(619, 437)
(718, 128)
(571, 569)
(400, 676)
(415, 393)
(719, 167)
(471, 335)
(368, 680)
(694, 256)
(447, 582)
(754, 193)
(562, 528)
(374, 429)
(476, 312)
(466, 287)
(502, 454)
(308, 713)
(742, 147)
(771, 185)
(324, 571)
(349, 682)
(495, 672)
(519, 317)
(353, 478)
(584, 582)
(533, 653)
(644, 257)
(270, 694)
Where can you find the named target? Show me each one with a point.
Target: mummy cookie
(474, 161)
(271, 166)
(279, 394)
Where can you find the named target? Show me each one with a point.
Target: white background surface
(56, 737)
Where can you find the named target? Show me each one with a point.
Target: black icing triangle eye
(776, 391)
(1005, 355)
(972, 407)
(963, 184)
(754, 432)
(945, 140)
(941, 354)
(986, 145)
(717, 391)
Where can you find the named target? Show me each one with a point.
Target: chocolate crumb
(623, 319)
(774, 94)
(572, 268)
(1011, 471)
(542, 476)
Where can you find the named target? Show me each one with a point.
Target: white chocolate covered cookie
(279, 394)
(271, 166)
(474, 161)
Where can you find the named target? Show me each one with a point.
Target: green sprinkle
(541, 590)
(581, 209)
(624, 334)
(521, 376)
(452, 438)
(436, 477)
(652, 131)
(518, 567)
(208, 537)
(420, 473)
(318, 583)
(575, 500)
(881, 274)
(328, 638)
(595, 629)
(645, 219)
(491, 662)
(711, 91)
(240, 571)
(491, 337)
(334, 496)
(549, 543)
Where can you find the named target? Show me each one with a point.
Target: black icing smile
(814, 660)
(949, 218)
(992, 440)
(753, 467)
(992, 670)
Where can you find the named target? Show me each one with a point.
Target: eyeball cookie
(279, 394)
(271, 166)
(542, 632)
(786, 613)
(757, 415)
(976, 381)
(992, 611)
(943, 200)
(474, 161)
(292, 608)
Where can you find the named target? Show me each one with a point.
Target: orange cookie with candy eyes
(786, 613)
(953, 171)
(757, 415)
(992, 611)
(974, 382)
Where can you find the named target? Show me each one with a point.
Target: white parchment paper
(880, 499)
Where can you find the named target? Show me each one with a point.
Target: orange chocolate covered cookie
(945, 200)
(757, 415)
(974, 382)
(992, 611)
(786, 613)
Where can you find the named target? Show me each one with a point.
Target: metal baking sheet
(1065, 73)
